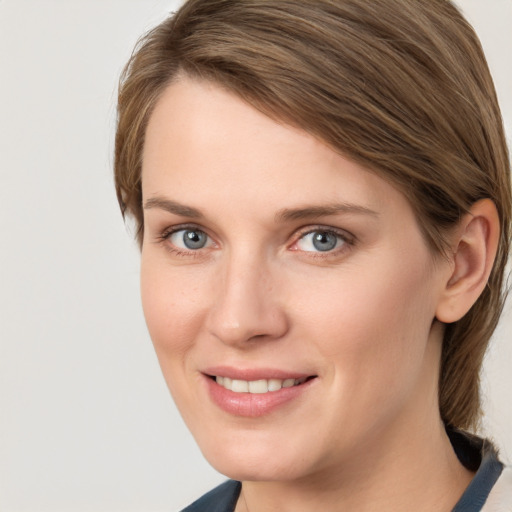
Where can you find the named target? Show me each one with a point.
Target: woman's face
(295, 277)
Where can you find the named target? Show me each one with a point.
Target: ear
(475, 243)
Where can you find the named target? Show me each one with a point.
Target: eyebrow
(286, 214)
(173, 207)
(309, 212)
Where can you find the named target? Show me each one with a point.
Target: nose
(246, 306)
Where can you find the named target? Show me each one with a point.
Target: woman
(322, 195)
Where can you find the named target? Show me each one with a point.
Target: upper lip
(252, 374)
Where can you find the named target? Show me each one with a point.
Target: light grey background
(86, 422)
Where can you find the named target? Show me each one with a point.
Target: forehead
(204, 142)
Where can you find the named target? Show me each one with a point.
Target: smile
(257, 386)
(255, 392)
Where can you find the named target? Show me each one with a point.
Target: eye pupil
(194, 239)
(324, 241)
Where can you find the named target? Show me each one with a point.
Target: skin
(366, 434)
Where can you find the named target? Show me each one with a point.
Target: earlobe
(474, 250)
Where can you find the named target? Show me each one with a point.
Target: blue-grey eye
(191, 239)
(321, 241)
(324, 241)
(194, 239)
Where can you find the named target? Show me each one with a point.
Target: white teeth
(240, 386)
(257, 386)
(274, 384)
(288, 383)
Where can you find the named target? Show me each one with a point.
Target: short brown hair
(400, 86)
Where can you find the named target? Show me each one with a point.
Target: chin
(258, 457)
(256, 470)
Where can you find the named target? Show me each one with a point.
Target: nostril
(256, 337)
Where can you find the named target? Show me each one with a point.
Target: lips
(254, 392)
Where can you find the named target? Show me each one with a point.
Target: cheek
(174, 318)
(171, 308)
(373, 324)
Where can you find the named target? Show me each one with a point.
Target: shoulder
(500, 497)
(491, 487)
(221, 499)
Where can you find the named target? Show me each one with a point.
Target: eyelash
(348, 240)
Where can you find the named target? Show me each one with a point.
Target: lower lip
(253, 405)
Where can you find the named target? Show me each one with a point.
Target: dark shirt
(474, 453)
